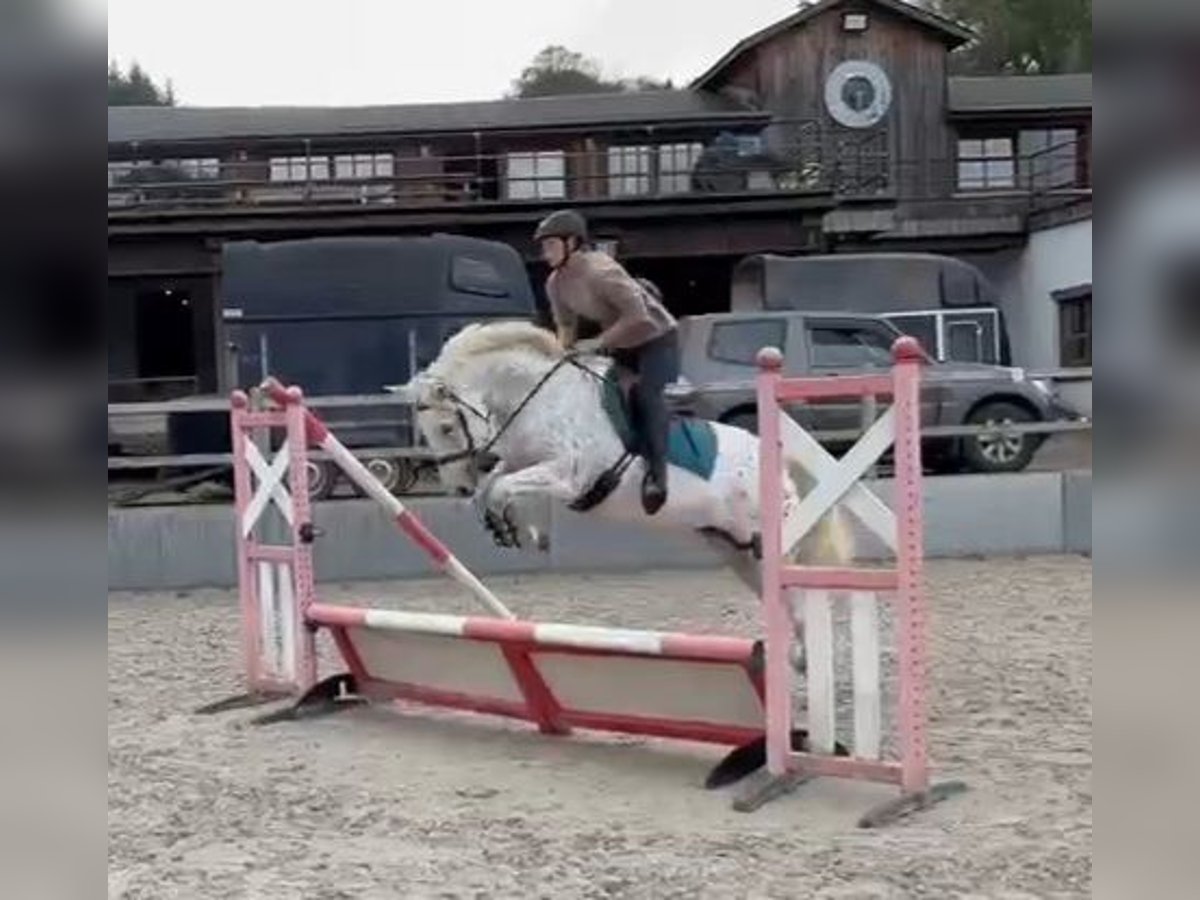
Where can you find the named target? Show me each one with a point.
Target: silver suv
(718, 369)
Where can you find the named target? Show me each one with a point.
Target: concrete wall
(182, 547)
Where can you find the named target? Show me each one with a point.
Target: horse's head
(463, 396)
(455, 425)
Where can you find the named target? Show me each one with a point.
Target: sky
(352, 52)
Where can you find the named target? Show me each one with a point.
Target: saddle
(691, 442)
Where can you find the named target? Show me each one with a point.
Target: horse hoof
(510, 531)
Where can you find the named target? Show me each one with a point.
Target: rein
(596, 494)
(460, 404)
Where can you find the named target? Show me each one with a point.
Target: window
(749, 144)
(964, 341)
(477, 276)
(1075, 326)
(363, 165)
(963, 336)
(986, 164)
(164, 170)
(118, 172)
(854, 21)
(675, 164)
(299, 168)
(849, 347)
(1048, 157)
(922, 326)
(607, 246)
(739, 342)
(628, 171)
(540, 175)
(203, 168)
(972, 335)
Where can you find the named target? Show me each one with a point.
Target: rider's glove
(587, 347)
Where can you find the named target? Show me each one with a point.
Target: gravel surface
(380, 802)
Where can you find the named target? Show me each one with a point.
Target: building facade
(834, 130)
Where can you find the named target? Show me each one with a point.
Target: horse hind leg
(748, 569)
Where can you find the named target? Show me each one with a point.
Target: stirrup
(651, 503)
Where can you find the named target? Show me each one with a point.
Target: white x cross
(837, 479)
(270, 486)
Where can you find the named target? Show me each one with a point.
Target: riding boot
(654, 488)
(656, 363)
(654, 452)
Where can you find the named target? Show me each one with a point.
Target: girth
(602, 488)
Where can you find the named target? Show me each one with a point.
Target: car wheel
(395, 474)
(999, 452)
(322, 478)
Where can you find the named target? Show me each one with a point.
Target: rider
(637, 331)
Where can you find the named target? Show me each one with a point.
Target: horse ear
(406, 392)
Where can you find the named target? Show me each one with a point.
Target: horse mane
(479, 339)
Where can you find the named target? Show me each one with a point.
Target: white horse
(509, 416)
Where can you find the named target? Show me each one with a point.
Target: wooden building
(836, 128)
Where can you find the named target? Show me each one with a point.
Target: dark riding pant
(657, 364)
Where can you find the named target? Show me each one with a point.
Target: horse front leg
(504, 493)
(504, 534)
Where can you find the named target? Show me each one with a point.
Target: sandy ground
(398, 803)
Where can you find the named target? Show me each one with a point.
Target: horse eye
(447, 430)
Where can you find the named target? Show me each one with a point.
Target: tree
(1022, 36)
(557, 70)
(136, 88)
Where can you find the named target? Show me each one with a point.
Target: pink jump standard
(786, 586)
(275, 580)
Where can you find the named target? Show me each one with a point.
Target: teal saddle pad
(691, 443)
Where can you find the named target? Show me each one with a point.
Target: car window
(923, 327)
(965, 340)
(849, 346)
(739, 342)
(972, 336)
(472, 275)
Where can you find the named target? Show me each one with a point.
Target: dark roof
(158, 123)
(951, 32)
(1019, 93)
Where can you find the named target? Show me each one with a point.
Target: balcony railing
(1059, 175)
(456, 180)
(798, 158)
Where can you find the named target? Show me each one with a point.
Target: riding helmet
(563, 223)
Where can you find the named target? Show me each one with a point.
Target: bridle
(461, 407)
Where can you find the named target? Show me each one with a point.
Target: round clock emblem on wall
(858, 93)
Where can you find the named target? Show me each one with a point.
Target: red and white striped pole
(320, 436)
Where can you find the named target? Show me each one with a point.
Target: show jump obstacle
(789, 588)
(721, 690)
